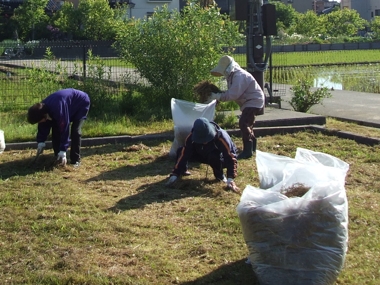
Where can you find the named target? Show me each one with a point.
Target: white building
(367, 9)
(143, 8)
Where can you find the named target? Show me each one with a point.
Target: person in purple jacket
(210, 144)
(247, 93)
(56, 112)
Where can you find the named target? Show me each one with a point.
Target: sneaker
(222, 179)
(187, 173)
(76, 164)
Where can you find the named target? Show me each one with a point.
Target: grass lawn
(113, 221)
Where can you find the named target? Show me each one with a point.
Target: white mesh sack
(184, 113)
(2, 141)
(299, 240)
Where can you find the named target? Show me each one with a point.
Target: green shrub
(53, 74)
(303, 98)
(173, 51)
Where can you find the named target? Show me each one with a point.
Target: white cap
(223, 63)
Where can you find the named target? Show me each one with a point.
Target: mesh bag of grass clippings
(299, 240)
(2, 141)
(184, 113)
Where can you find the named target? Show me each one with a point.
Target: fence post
(84, 60)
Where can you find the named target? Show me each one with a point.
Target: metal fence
(65, 64)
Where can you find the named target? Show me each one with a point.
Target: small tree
(286, 15)
(345, 22)
(30, 18)
(91, 20)
(304, 98)
(174, 50)
(375, 26)
(308, 24)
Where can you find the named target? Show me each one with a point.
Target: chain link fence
(29, 73)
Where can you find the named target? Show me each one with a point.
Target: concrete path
(362, 108)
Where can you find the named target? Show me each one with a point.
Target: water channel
(360, 78)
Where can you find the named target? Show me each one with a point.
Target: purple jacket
(64, 106)
(222, 142)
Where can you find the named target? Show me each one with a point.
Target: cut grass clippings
(113, 221)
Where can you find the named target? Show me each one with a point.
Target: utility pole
(260, 23)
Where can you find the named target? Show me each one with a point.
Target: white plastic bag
(184, 113)
(2, 141)
(308, 167)
(299, 240)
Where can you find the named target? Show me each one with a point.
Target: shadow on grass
(146, 166)
(234, 273)
(158, 192)
(23, 167)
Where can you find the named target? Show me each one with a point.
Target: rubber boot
(254, 144)
(247, 150)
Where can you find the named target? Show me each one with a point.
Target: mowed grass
(113, 221)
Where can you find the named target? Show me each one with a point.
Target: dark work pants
(246, 122)
(214, 159)
(76, 135)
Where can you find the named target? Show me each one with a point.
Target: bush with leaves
(303, 97)
(173, 51)
(91, 20)
(375, 27)
(30, 19)
(53, 74)
(345, 22)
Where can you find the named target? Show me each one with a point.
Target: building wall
(300, 5)
(146, 7)
(366, 8)
(345, 4)
(375, 8)
(363, 8)
(143, 8)
(318, 6)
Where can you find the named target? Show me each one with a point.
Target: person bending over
(247, 93)
(210, 144)
(63, 112)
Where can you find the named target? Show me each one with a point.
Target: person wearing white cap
(247, 93)
(210, 144)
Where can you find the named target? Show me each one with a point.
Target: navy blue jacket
(64, 106)
(222, 142)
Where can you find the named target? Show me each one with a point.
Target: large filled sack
(2, 141)
(296, 239)
(184, 113)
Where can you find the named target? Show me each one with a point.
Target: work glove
(213, 96)
(62, 158)
(40, 147)
(173, 178)
(232, 186)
